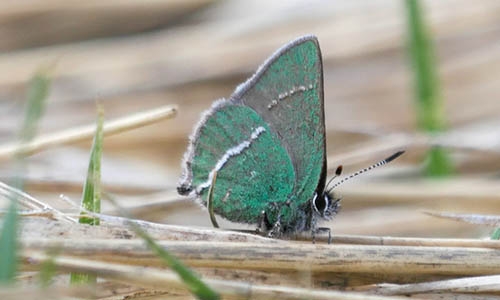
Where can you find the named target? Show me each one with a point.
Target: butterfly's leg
(322, 229)
(314, 220)
(314, 229)
(263, 225)
(275, 232)
(334, 208)
(210, 201)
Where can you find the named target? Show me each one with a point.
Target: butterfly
(266, 147)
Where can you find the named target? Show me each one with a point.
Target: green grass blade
(36, 96)
(91, 198)
(429, 106)
(8, 245)
(496, 234)
(48, 269)
(195, 285)
(38, 90)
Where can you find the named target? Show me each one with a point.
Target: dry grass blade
(166, 280)
(421, 242)
(27, 293)
(480, 284)
(191, 279)
(488, 220)
(115, 228)
(87, 132)
(32, 203)
(290, 256)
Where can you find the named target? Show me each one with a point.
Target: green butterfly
(266, 143)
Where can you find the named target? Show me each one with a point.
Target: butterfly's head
(326, 205)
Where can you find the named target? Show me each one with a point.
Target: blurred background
(133, 56)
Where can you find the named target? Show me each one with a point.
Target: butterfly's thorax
(301, 214)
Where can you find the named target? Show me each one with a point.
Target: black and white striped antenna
(338, 171)
(380, 163)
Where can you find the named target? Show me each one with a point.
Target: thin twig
(289, 256)
(166, 280)
(488, 220)
(409, 241)
(479, 284)
(31, 202)
(87, 132)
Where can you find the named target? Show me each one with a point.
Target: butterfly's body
(266, 143)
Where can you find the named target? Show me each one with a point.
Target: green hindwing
(253, 169)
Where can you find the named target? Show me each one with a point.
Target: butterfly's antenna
(380, 163)
(338, 171)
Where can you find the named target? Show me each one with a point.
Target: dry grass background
(134, 56)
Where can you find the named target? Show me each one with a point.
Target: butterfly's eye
(320, 204)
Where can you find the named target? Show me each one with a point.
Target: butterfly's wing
(287, 92)
(253, 169)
